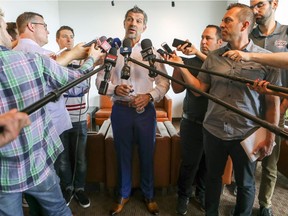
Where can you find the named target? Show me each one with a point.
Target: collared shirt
(26, 161)
(59, 114)
(139, 77)
(220, 121)
(277, 41)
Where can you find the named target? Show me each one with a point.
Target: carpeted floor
(101, 200)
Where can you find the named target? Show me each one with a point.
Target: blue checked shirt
(26, 161)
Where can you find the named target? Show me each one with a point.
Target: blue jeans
(192, 150)
(48, 194)
(216, 152)
(73, 151)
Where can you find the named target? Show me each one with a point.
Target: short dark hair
(246, 13)
(136, 9)
(218, 30)
(64, 28)
(11, 29)
(24, 18)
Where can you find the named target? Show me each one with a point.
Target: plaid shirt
(26, 161)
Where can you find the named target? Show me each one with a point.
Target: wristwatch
(150, 97)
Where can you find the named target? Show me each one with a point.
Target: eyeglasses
(259, 5)
(44, 24)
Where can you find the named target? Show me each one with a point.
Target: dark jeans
(192, 156)
(216, 152)
(74, 141)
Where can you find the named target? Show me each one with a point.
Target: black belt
(192, 118)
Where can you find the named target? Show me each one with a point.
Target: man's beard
(260, 21)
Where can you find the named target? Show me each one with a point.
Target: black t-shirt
(193, 106)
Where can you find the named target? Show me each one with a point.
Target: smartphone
(177, 42)
(166, 48)
(90, 43)
(162, 52)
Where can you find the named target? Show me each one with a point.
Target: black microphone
(148, 55)
(126, 52)
(109, 62)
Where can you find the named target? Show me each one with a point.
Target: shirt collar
(257, 33)
(246, 49)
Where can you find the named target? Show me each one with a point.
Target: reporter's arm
(11, 124)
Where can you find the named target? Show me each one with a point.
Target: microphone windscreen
(146, 43)
(113, 51)
(116, 43)
(127, 43)
(103, 38)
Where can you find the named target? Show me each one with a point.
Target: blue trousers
(131, 128)
(216, 152)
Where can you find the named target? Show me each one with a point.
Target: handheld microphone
(126, 49)
(116, 43)
(126, 52)
(109, 62)
(148, 55)
(106, 44)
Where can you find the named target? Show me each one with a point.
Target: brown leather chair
(161, 160)
(176, 158)
(95, 154)
(104, 112)
(163, 109)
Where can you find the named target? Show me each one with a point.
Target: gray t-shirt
(277, 41)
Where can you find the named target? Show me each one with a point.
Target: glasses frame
(260, 4)
(38, 23)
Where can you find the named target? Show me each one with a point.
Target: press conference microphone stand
(54, 95)
(265, 124)
(235, 78)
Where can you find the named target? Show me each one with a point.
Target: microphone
(109, 62)
(116, 43)
(106, 44)
(126, 52)
(126, 49)
(148, 55)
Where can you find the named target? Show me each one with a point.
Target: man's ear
(220, 42)
(274, 4)
(144, 28)
(245, 25)
(30, 26)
